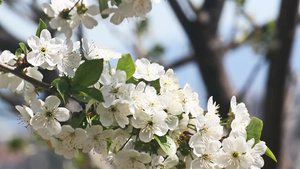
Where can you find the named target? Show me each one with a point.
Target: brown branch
(23, 76)
(180, 62)
(277, 79)
(185, 22)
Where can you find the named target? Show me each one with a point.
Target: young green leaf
(270, 154)
(18, 52)
(126, 64)
(103, 4)
(41, 26)
(88, 73)
(254, 129)
(167, 144)
(23, 47)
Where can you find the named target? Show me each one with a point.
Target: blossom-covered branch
(19, 73)
(136, 114)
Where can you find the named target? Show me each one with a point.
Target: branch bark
(23, 76)
(276, 84)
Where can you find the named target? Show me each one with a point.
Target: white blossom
(256, 152)
(115, 89)
(207, 153)
(150, 125)
(129, 8)
(190, 101)
(158, 162)
(19, 85)
(118, 112)
(132, 159)
(60, 14)
(241, 119)
(168, 82)
(148, 71)
(70, 58)
(48, 115)
(45, 50)
(7, 57)
(26, 113)
(235, 154)
(84, 15)
(93, 51)
(57, 145)
(96, 139)
(72, 138)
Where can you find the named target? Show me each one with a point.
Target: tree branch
(34, 82)
(185, 22)
(180, 62)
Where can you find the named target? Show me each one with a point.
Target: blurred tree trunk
(202, 33)
(279, 69)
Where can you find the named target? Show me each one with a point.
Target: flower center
(81, 9)
(205, 157)
(49, 114)
(235, 154)
(64, 14)
(113, 109)
(43, 49)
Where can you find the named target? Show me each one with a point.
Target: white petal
(62, 114)
(52, 102)
(89, 22)
(93, 10)
(36, 59)
(45, 35)
(146, 135)
(106, 118)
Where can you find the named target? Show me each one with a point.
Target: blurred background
(246, 48)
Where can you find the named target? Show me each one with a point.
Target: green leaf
(93, 93)
(254, 129)
(133, 81)
(78, 120)
(23, 47)
(0, 2)
(167, 144)
(270, 154)
(103, 4)
(80, 96)
(41, 26)
(126, 64)
(88, 73)
(18, 52)
(62, 87)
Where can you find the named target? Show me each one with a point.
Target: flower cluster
(137, 115)
(68, 14)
